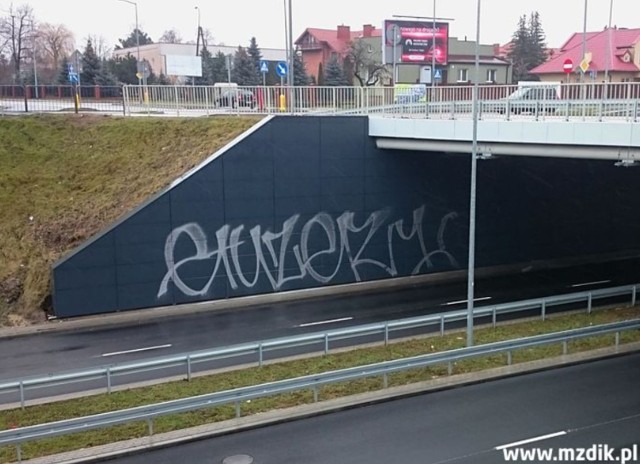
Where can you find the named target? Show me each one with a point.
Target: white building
(155, 54)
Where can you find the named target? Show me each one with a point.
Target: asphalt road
(588, 404)
(54, 352)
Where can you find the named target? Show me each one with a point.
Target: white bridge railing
(590, 101)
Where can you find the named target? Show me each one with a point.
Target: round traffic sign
(567, 66)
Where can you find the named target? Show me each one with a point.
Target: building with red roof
(615, 51)
(320, 45)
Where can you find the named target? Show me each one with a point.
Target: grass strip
(279, 371)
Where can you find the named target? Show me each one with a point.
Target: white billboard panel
(183, 65)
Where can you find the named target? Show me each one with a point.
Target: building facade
(613, 55)
(319, 46)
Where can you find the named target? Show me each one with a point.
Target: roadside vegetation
(295, 368)
(65, 177)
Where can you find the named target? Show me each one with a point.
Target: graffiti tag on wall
(344, 240)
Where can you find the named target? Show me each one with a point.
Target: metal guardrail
(187, 360)
(311, 382)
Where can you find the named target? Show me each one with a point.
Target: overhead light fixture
(627, 163)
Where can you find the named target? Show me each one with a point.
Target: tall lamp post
(472, 201)
(138, 66)
(199, 34)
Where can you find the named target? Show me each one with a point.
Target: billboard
(415, 42)
(183, 65)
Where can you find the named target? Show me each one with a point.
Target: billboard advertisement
(183, 65)
(415, 41)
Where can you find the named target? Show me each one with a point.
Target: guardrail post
(237, 409)
(509, 358)
(108, 379)
(315, 394)
(386, 334)
(19, 452)
(326, 343)
(150, 425)
(633, 296)
(494, 317)
(385, 381)
(617, 340)
(543, 310)
(565, 347)
(189, 368)
(442, 325)
(175, 88)
(206, 99)
(22, 394)
(589, 303)
(449, 368)
(260, 355)
(600, 110)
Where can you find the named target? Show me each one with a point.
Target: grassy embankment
(283, 370)
(65, 177)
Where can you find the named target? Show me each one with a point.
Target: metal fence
(570, 101)
(60, 98)
(589, 101)
(312, 382)
(323, 340)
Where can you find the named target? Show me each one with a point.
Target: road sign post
(264, 69)
(567, 67)
(281, 70)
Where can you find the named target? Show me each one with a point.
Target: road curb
(138, 445)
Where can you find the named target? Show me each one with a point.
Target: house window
(492, 75)
(463, 75)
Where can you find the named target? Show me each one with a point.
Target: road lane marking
(531, 440)
(137, 350)
(451, 303)
(330, 321)
(590, 283)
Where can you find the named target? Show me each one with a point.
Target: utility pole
(473, 188)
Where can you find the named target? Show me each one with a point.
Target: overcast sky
(235, 22)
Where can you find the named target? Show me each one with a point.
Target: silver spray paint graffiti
(271, 248)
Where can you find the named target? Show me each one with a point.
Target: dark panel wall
(304, 202)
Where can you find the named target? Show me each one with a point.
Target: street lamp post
(199, 34)
(472, 201)
(609, 60)
(433, 52)
(138, 66)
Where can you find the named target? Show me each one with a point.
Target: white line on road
(309, 324)
(137, 350)
(451, 303)
(590, 283)
(531, 440)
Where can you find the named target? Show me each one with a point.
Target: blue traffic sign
(264, 67)
(74, 78)
(437, 74)
(281, 69)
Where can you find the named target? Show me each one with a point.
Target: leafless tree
(363, 64)
(100, 46)
(170, 36)
(17, 30)
(56, 40)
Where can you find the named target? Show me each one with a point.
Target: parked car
(538, 98)
(236, 98)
